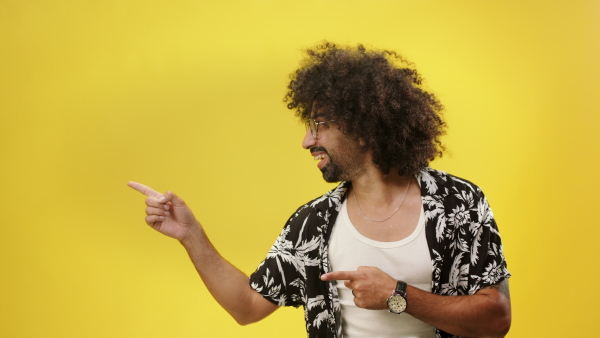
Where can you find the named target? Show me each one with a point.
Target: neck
(381, 189)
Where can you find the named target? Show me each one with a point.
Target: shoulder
(331, 200)
(319, 210)
(437, 182)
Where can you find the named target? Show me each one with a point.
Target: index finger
(340, 275)
(144, 189)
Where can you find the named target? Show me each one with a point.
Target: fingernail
(166, 206)
(161, 218)
(167, 213)
(162, 199)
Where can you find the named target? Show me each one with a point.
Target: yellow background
(187, 96)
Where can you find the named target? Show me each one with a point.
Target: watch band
(401, 288)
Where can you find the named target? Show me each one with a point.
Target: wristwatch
(397, 301)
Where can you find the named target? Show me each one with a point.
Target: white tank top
(406, 260)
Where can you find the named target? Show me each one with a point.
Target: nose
(308, 140)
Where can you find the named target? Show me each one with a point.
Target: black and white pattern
(462, 236)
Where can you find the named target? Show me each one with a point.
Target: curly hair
(375, 97)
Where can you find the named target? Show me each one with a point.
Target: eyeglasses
(313, 126)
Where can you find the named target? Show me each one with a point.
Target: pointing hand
(370, 286)
(166, 213)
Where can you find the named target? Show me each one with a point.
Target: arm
(483, 314)
(169, 215)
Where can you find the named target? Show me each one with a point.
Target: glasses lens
(312, 126)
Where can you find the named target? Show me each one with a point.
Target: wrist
(192, 237)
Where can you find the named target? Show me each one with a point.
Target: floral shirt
(463, 239)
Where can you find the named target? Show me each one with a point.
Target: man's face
(340, 157)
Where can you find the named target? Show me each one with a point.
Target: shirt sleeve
(487, 262)
(467, 251)
(280, 278)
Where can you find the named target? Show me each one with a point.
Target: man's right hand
(167, 213)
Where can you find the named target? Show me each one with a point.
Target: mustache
(315, 149)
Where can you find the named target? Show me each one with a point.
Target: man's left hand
(370, 286)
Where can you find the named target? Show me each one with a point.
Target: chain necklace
(393, 212)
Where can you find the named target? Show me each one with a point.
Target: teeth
(319, 157)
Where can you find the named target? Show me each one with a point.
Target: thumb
(175, 200)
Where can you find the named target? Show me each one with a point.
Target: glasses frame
(315, 131)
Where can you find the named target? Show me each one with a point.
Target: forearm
(228, 285)
(484, 314)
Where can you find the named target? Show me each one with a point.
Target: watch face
(396, 303)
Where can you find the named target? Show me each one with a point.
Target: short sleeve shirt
(462, 236)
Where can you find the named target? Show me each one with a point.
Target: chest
(399, 226)
(407, 259)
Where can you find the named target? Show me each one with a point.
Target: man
(397, 249)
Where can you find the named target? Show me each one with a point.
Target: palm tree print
(463, 239)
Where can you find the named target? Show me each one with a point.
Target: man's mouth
(319, 154)
(322, 157)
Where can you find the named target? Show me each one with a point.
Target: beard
(343, 166)
(331, 172)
